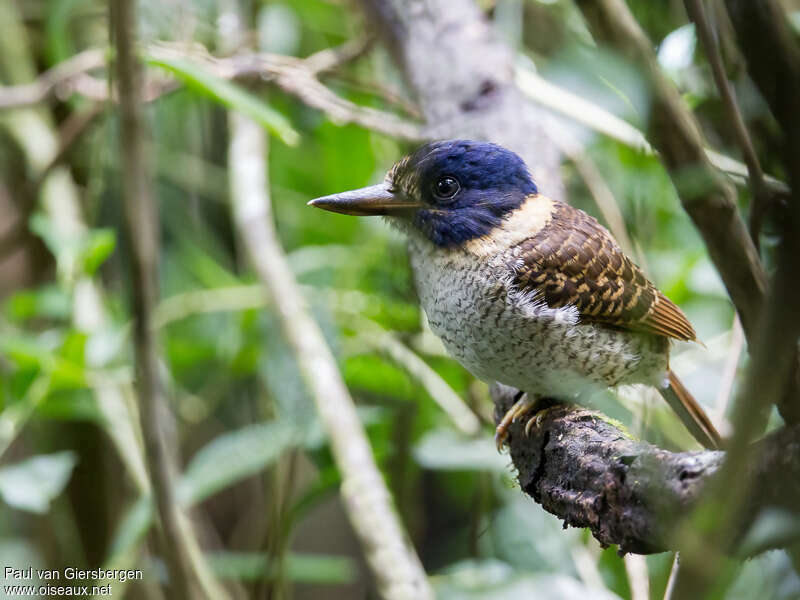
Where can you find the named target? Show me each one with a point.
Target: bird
(524, 289)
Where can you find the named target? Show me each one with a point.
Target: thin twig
(760, 194)
(389, 96)
(59, 197)
(189, 578)
(69, 133)
(772, 54)
(295, 76)
(438, 389)
(51, 81)
(705, 195)
(674, 572)
(600, 120)
(394, 563)
(330, 59)
(725, 391)
(773, 58)
(299, 77)
(235, 298)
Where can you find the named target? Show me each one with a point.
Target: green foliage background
(256, 467)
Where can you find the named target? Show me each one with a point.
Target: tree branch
(773, 58)
(707, 198)
(53, 81)
(583, 111)
(300, 77)
(188, 576)
(760, 194)
(767, 44)
(773, 63)
(463, 78)
(394, 563)
(589, 473)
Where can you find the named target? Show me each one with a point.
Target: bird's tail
(690, 412)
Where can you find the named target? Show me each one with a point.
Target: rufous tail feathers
(690, 413)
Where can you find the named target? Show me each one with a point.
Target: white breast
(501, 334)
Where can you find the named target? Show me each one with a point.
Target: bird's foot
(534, 421)
(521, 407)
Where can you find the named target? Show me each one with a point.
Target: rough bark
(589, 473)
(463, 77)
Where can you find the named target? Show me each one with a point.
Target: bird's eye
(446, 187)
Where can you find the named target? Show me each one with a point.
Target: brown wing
(574, 260)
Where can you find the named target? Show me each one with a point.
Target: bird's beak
(373, 200)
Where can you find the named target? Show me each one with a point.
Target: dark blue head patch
(492, 182)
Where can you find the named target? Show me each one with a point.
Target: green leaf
(224, 461)
(444, 449)
(84, 249)
(303, 568)
(48, 301)
(134, 524)
(73, 347)
(33, 483)
(774, 528)
(476, 580)
(98, 246)
(228, 94)
(27, 352)
(42, 225)
(234, 456)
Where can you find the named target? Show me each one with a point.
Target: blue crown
(491, 183)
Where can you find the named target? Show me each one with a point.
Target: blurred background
(256, 473)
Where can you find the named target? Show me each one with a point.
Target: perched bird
(523, 289)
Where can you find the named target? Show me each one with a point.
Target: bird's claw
(500, 438)
(521, 407)
(534, 421)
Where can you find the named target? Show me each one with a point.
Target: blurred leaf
(477, 580)
(278, 29)
(302, 568)
(224, 461)
(86, 249)
(773, 528)
(444, 449)
(73, 347)
(677, 49)
(74, 405)
(228, 94)
(770, 576)
(20, 554)
(42, 226)
(615, 575)
(378, 376)
(48, 301)
(98, 247)
(59, 44)
(28, 352)
(33, 483)
(234, 456)
(548, 551)
(134, 524)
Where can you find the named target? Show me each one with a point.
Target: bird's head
(451, 192)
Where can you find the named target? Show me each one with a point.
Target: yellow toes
(521, 407)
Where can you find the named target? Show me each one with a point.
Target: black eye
(446, 187)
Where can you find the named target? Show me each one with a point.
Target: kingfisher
(524, 289)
